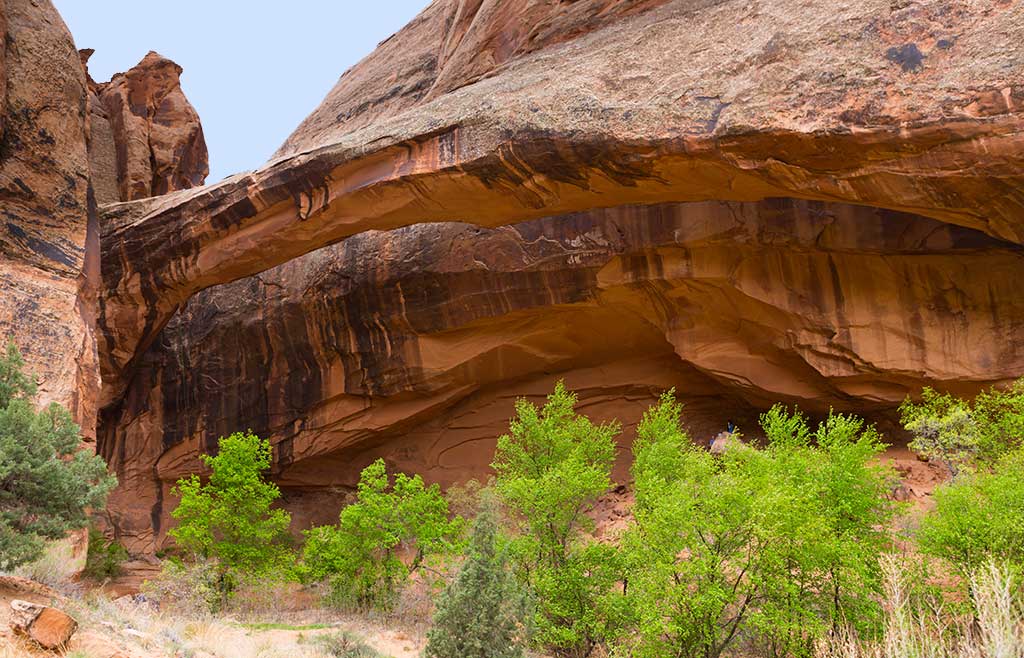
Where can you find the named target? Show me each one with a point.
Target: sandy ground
(124, 630)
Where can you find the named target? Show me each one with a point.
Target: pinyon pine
(47, 483)
(481, 614)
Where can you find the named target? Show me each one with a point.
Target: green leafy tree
(362, 556)
(843, 490)
(229, 520)
(551, 468)
(963, 434)
(770, 547)
(47, 483)
(978, 518)
(482, 613)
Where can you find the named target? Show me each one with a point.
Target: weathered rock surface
(49, 247)
(610, 125)
(58, 154)
(48, 627)
(412, 344)
(913, 107)
(155, 135)
(748, 201)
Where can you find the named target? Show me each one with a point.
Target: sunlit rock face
(147, 139)
(748, 202)
(49, 251)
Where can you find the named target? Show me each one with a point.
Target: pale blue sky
(253, 68)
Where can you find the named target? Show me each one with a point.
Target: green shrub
(46, 482)
(345, 645)
(963, 434)
(482, 613)
(361, 556)
(190, 588)
(229, 523)
(770, 548)
(104, 557)
(979, 517)
(551, 467)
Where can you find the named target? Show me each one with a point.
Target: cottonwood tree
(771, 548)
(551, 468)
(228, 523)
(979, 518)
(362, 556)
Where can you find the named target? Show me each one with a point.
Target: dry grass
(14, 648)
(144, 631)
(914, 632)
(58, 566)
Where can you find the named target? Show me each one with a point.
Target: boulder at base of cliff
(48, 627)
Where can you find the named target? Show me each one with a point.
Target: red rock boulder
(48, 627)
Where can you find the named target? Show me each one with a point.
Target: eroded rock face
(58, 155)
(678, 102)
(412, 344)
(744, 201)
(48, 233)
(149, 140)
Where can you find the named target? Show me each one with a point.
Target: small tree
(46, 482)
(362, 555)
(229, 519)
(104, 557)
(773, 547)
(844, 490)
(482, 614)
(943, 429)
(979, 518)
(963, 434)
(551, 468)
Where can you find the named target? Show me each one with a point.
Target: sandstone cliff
(412, 344)
(679, 103)
(745, 201)
(49, 245)
(59, 156)
(147, 137)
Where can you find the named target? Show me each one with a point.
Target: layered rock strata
(915, 108)
(746, 201)
(412, 344)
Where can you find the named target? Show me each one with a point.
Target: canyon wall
(62, 151)
(49, 248)
(743, 201)
(413, 344)
(681, 102)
